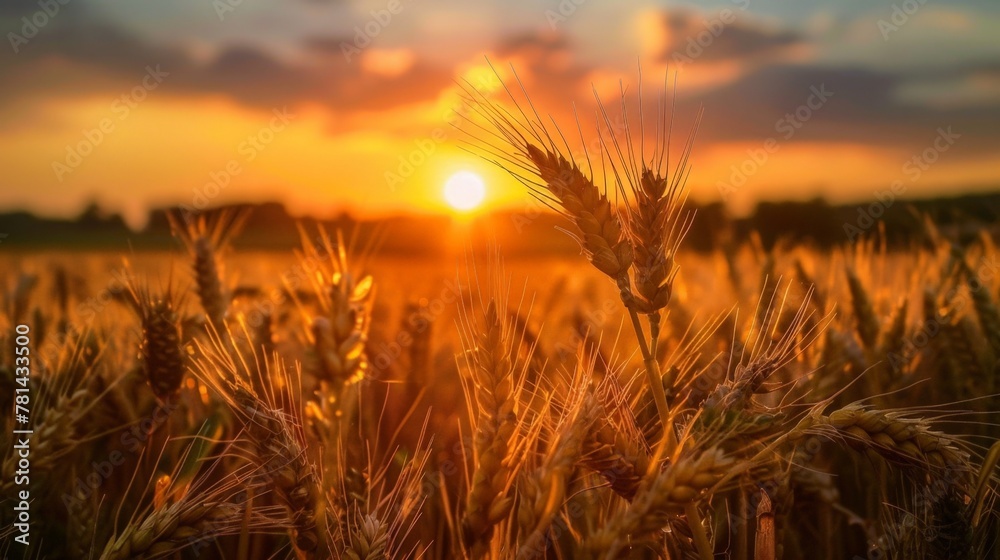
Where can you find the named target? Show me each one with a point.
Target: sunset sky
(311, 102)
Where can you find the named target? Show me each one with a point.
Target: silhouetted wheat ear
(160, 349)
(207, 275)
(986, 308)
(588, 208)
(866, 321)
(893, 338)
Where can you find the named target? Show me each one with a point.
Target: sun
(464, 191)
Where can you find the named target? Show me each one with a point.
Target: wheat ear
(285, 466)
(614, 453)
(206, 237)
(492, 366)
(667, 494)
(905, 442)
(55, 435)
(171, 529)
(543, 491)
(160, 349)
(866, 321)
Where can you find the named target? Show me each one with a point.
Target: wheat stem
(655, 383)
(700, 537)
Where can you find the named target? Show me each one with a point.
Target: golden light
(464, 191)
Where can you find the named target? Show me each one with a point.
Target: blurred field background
(908, 329)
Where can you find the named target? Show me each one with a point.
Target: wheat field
(640, 401)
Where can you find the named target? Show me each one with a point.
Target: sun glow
(464, 191)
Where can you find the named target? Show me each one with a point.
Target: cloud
(548, 65)
(873, 103)
(865, 107)
(938, 36)
(689, 35)
(90, 59)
